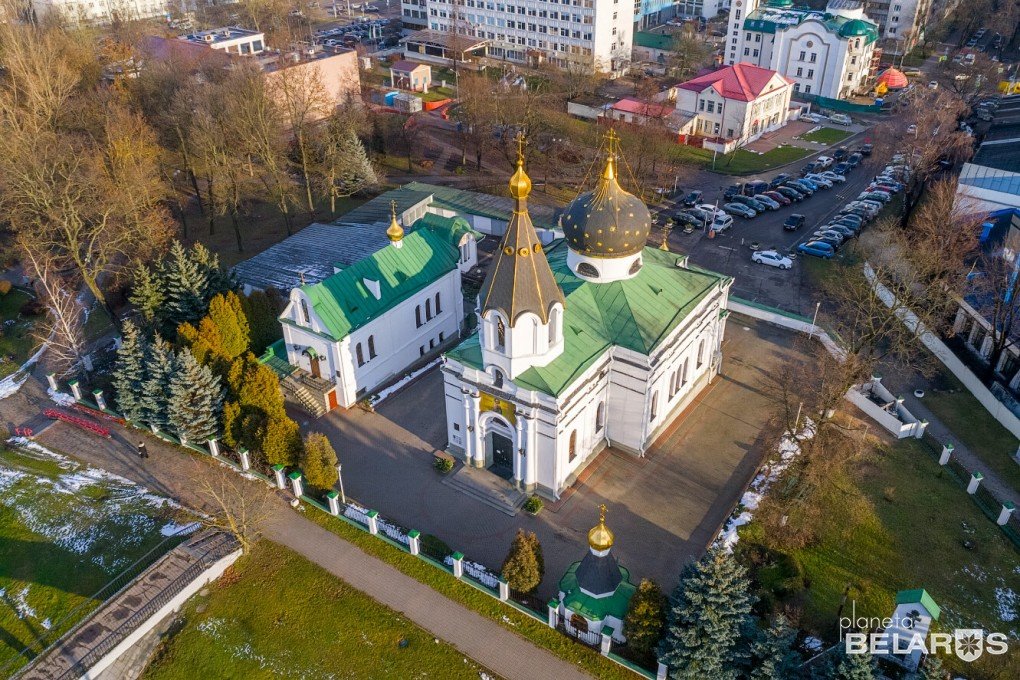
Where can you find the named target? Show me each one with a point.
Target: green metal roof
(452, 229)
(477, 203)
(275, 357)
(921, 596)
(344, 302)
(655, 41)
(779, 17)
(636, 313)
(594, 608)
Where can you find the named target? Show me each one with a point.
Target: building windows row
(429, 314)
(433, 342)
(360, 353)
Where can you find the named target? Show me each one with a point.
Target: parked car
(740, 210)
(693, 198)
(841, 119)
(755, 188)
(778, 180)
(817, 248)
(845, 231)
(841, 168)
(933, 84)
(865, 149)
(752, 203)
(687, 218)
(854, 159)
(889, 187)
(851, 221)
(810, 168)
(722, 223)
(819, 179)
(732, 190)
(791, 193)
(879, 197)
(794, 222)
(841, 153)
(824, 162)
(911, 129)
(772, 259)
(778, 197)
(801, 186)
(830, 237)
(833, 177)
(768, 201)
(707, 212)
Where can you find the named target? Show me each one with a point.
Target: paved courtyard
(664, 508)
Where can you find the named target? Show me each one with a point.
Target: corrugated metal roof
(476, 203)
(636, 313)
(343, 302)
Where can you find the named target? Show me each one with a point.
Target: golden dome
(395, 232)
(520, 183)
(600, 537)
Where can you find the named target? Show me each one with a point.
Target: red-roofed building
(735, 104)
(636, 111)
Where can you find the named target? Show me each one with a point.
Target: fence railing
(394, 533)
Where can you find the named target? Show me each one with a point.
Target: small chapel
(593, 340)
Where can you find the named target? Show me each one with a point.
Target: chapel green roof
(450, 228)
(345, 303)
(919, 595)
(636, 313)
(596, 609)
(654, 41)
(777, 17)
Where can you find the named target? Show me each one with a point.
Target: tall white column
(530, 453)
(519, 447)
(478, 443)
(468, 427)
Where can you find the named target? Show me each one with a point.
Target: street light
(339, 477)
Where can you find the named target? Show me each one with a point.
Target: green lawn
(826, 135)
(275, 614)
(16, 340)
(66, 530)
(966, 418)
(895, 521)
(472, 598)
(740, 162)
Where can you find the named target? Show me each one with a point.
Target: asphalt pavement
(730, 251)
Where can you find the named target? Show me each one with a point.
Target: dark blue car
(816, 248)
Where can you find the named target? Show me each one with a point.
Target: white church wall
(626, 404)
(297, 340)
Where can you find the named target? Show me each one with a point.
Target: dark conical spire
(519, 279)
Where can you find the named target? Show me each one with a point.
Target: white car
(824, 161)
(833, 177)
(722, 223)
(819, 179)
(772, 259)
(708, 212)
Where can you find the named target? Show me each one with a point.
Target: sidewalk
(170, 472)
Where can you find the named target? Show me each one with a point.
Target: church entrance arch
(498, 436)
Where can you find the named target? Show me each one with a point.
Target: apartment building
(595, 33)
(903, 23)
(825, 53)
(706, 9)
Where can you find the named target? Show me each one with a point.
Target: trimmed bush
(443, 465)
(533, 505)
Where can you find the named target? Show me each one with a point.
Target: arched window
(304, 312)
(360, 354)
(417, 316)
(588, 270)
(636, 267)
(428, 309)
(497, 377)
(672, 384)
(439, 307)
(701, 354)
(572, 447)
(655, 408)
(553, 318)
(500, 333)
(600, 417)
(371, 347)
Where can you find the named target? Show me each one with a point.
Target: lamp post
(340, 478)
(814, 320)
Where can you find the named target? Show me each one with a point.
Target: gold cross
(520, 145)
(393, 209)
(612, 138)
(602, 514)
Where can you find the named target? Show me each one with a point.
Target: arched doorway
(313, 361)
(498, 436)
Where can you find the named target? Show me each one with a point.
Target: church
(592, 341)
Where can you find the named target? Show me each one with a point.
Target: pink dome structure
(893, 79)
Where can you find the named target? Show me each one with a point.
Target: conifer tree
(262, 309)
(282, 443)
(231, 323)
(772, 654)
(520, 568)
(318, 462)
(645, 620)
(708, 610)
(196, 397)
(855, 667)
(932, 669)
(256, 418)
(161, 365)
(185, 284)
(129, 372)
(217, 279)
(147, 295)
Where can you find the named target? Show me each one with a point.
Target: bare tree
(995, 294)
(233, 503)
(64, 327)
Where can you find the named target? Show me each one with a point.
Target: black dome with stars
(608, 221)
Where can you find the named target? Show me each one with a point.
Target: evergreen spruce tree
(147, 295)
(185, 284)
(129, 372)
(772, 654)
(161, 365)
(645, 620)
(231, 323)
(217, 280)
(520, 568)
(855, 667)
(196, 398)
(708, 610)
(932, 669)
(356, 172)
(318, 462)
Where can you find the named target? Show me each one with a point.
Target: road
(730, 251)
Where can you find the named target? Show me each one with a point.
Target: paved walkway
(170, 472)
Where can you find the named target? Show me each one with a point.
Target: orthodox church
(594, 340)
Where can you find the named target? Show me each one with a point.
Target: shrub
(318, 462)
(442, 464)
(523, 565)
(645, 620)
(533, 505)
(5, 286)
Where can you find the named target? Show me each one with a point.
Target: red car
(778, 197)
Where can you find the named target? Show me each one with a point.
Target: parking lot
(730, 252)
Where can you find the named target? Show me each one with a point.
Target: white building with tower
(592, 341)
(828, 53)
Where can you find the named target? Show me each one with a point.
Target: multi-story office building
(596, 33)
(826, 53)
(707, 9)
(903, 23)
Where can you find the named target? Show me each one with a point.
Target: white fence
(891, 414)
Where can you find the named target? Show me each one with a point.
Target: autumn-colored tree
(645, 620)
(318, 462)
(521, 568)
(254, 416)
(262, 309)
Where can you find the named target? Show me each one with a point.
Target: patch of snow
(25, 610)
(46, 623)
(813, 644)
(174, 529)
(788, 449)
(12, 383)
(1007, 603)
(61, 398)
(376, 398)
